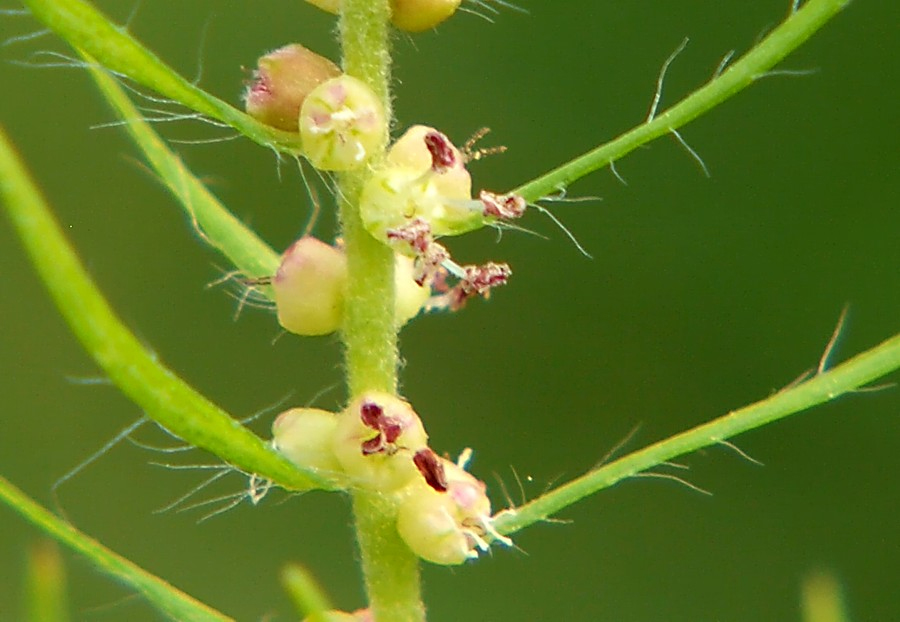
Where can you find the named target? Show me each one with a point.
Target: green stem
(164, 397)
(845, 378)
(370, 333)
(795, 30)
(87, 29)
(168, 599)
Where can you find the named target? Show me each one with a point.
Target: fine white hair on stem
(501, 227)
(245, 291)
(313, 195)
(321, 393)
(691, 151)
(174, 449)
(488, 6)
(615, 449)
(675, 465)
(612, 167)
(875, 388)
(795, 6)
(743, 454)
(723, 64)
(89, 380)
(799, 379)
(201, 43)
(832, 341)
(29, 36)
(654, 104)
(774, 73)
(511, 504)
(132, 15)
(233, 499)
(59, 60)
(564, 229)
(465, 9)
(674, 478)
(223, 471)
(14, 12)
(78, 468)
(562, 196)
(205, 141)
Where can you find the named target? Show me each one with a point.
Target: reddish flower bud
(445, 517)
(376, 439)
(282, 80)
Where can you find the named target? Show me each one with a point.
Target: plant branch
(792, 33)
(164, 397)
(823, 387)
(168, 599)
(217, 225)
(86, 28)
(390, 569)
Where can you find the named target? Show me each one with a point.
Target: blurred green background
(703, 295)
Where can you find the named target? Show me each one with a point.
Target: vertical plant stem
(370, 334)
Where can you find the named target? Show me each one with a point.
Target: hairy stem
(370, 334)
(825, 386)
(162, 395)
(755, 64)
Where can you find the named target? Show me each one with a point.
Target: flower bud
(305, 436)
(309, 288)
(424, 177)
(408, 15)
(342, 124)
(282, 80)
(376, 439)
(419, 15)
(445, 517)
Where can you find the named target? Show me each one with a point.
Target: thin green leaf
(86, 28)
(792, 33)
(219, 227)
(164, 397)
(168, 599)
(828, 385)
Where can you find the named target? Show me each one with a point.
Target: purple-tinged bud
(423, 176)
(502, 206)
(473, 281)
(377, 436)
(282, 80)
(342, 124)
(450, 522)
(309, 288)
(419, 15)
(432, 470)
(443, 153)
